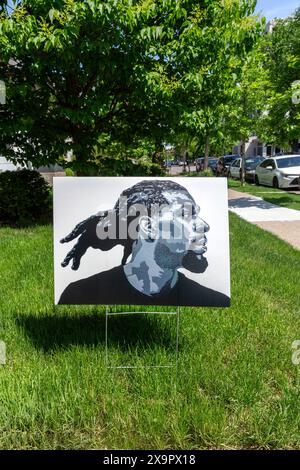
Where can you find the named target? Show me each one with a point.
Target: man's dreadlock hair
(147, 192)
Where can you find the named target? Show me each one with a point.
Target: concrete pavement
(281, 221)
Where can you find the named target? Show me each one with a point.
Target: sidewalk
(281, 221)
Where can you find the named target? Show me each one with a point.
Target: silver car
(279, 172)
(234, 170)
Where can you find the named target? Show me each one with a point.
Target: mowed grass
(280, 197)
(235, 385)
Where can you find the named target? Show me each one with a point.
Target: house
(6, 165)
(254, 147)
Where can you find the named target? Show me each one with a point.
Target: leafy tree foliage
(231, 32)
(126, 74)
(282, 64)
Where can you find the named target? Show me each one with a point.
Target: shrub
(69, 172)
(204, 173)
(207, 172)
(25, 198)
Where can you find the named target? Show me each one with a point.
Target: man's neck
(146, 276)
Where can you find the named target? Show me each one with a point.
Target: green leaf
(51, 14)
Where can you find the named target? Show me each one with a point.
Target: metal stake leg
(107, 314)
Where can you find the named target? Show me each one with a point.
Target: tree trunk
(206, 152)
(184, 163)
(243, 146)
(187, 161)
(80, 165)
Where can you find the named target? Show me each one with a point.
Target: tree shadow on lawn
(249, 202)
(280, 200)
(127, 332)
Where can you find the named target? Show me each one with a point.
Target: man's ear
(147, 228)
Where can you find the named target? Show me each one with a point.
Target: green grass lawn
(235, 385)
(275, 196)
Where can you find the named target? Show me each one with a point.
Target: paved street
(178, 170)
(281, 221)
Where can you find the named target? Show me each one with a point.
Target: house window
(260, 150)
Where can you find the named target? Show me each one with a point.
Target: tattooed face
(187, 229)
(172, 238)
(161, 212)
(176, 229)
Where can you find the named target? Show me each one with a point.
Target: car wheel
(256, 180)
(275, 183)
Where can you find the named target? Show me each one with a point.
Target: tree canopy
(127, 73)
(281, 60)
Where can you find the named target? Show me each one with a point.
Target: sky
(277, 8)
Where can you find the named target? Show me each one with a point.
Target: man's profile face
(179, 226)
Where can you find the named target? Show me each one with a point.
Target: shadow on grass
(27, 224)
(49, 333)
(249, 202)
(280, 200)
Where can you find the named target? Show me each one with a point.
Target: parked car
(279, 172)
(199, 163)
(250, 165)
(235, 168)
(224, 163)
(212, 164)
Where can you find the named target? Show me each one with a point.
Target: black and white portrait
(141, 241)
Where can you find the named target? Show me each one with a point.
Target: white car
(235, 169)
(251, 163)
(279, 172)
